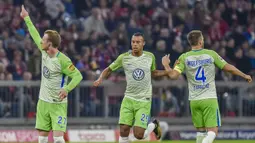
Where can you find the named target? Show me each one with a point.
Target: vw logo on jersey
(138, 74)
(46, 72)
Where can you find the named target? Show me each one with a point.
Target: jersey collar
(198, 50)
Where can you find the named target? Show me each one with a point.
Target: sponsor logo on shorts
(138, 74)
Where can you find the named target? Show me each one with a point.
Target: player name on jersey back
(200, 71)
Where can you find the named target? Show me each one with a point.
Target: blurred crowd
(95, 32)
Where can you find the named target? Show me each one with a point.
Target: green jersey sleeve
(33, 32)
(153, 65)
(218, 60)
(117, 63)
(180, 64)
(68, 69)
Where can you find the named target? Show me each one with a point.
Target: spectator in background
(29, 104)
(34, 64)
(242, 61)
(95, 23)
(3, 58)
(19, 65)
(54, 9)
(160, 52)
(94, 32)
(170, 105)
(250, 34)
(82, 7)
(2, 71)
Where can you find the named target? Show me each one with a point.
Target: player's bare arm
(172, 74)
(159, 73)
(233, 70)
(32, 30)
(106, 72)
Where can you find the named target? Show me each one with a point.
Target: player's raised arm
(222, 64)
(107, 71)
(31, 28)
(178, 67)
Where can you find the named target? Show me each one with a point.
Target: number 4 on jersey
(200, 74)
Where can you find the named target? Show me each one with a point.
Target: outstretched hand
(23, 12)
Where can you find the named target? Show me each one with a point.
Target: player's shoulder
(185, 54)
(124, 55)
(62, 57)
(208, 51)
(148, 53)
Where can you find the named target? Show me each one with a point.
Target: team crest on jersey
(46, 72)
(138, 74)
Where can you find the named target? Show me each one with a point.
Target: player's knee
(139, 135)
(59, 139)
(213, 129)
(124, 131)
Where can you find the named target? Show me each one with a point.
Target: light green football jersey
(138, 74)
(199, 66)
(55, 71)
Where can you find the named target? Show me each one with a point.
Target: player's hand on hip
(62, 94)
(248, 78)
(23, 12)
(97, 82)
(166, 60)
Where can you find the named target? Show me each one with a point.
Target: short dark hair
(194, 36)
(53, 37)
(138, 34)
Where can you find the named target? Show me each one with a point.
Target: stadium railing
(100, 106)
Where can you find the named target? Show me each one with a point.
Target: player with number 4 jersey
(199, 65)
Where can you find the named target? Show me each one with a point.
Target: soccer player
(56, 68)
(139, 67)
(199, 66)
